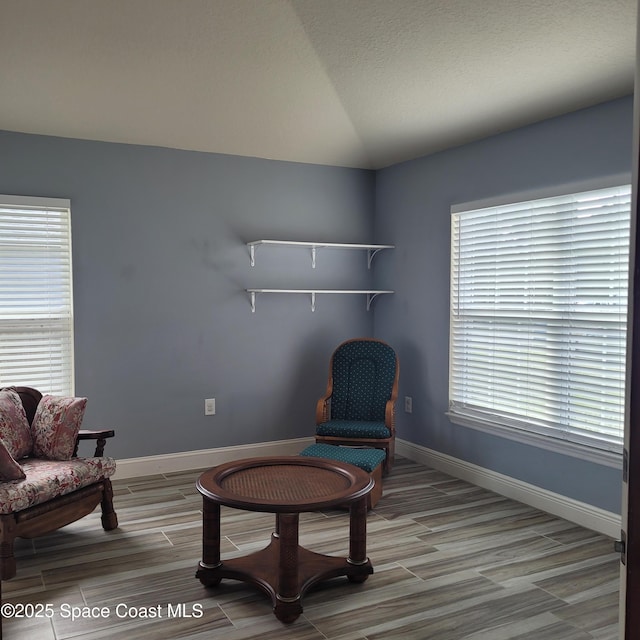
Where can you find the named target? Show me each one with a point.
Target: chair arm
(100, 437)
(390, 415)
(322, 409)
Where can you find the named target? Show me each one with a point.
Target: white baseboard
(204, 458)
(580, 513)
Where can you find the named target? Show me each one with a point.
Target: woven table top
(285, 483)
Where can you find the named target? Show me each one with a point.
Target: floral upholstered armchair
(44, 485)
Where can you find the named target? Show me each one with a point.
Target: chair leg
(109, 516)
(388, 461)
(7, 536)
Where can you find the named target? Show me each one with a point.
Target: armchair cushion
(364, 372)
(353, 429)
(14, 426)
(47, 479)
(55, 427)
(9, 468)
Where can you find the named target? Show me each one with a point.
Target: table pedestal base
(264, 569)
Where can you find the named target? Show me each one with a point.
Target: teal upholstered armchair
(358, 407)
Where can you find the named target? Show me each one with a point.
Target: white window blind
(539, 316)
(36, 318)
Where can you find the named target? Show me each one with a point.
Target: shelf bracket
(252, 254)
(370, 255)
(370, 298)
(313, 257)
(253, 300)
(313, 301)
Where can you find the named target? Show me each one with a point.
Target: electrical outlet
(210, 407)
(408, 404)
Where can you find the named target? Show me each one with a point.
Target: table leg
(358, 537)
(210, 543)
(288, 606)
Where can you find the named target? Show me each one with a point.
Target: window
(36, 318)
(539, 319)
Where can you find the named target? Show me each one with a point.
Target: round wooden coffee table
(286, 486)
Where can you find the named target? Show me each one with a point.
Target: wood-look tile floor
(452, 561)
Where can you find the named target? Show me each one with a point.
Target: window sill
(563, 447)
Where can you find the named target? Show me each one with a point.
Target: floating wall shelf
(371, 249)
(370, 293)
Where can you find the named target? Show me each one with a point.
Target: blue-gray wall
(413, 202)
(160, 267)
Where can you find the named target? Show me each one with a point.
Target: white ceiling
(357, 83)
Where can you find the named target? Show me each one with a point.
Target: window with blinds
(539, 317)
(36, 310)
